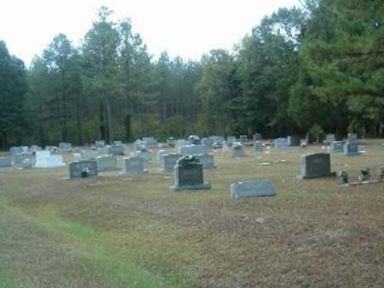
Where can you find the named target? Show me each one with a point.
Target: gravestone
(106, 163)
(145, 155)
(315, 165)
(280, 143)
(18, 149)
(82, 169)
(231, 140)
(194, 140)
(149, 142)
(258, 146)
(193, 149)
(352, 138)
(117, 142)
(243, 138)
(329, 138)
(337, 146)
(99, 144)
(160, 156)
(217, 139)
(257, 137)
(293, 141)
(65, 146)
(207, 160)
(237, 150)
(89, 154)
(169, 161)
(351, 149)
(207, 142)
(5, 162)
(249, 189)
(44, 159)
(133, 165)
(180, 143)
(23, 159)
(116, 149)
(189, 177)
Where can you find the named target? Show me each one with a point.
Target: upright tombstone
(18, 149)
(193, 150)
(133, 165)
(243, 138)
(293, 141)
(194, 140)
(258, 146)
(23, 160)
(329, 138)
(44, 159)
(336, 146)
(351, 147)
(99, 144)
(257, 137)
(160, 156)
(106, 163)
(65, 146)
(315, 165)
(249, 189)
(149, 142)
(207, 142)
(116, 149)
(189, 175)
(237, 150)
(217, 139)
(5, 162)
(207, 160)
(145, 155)
(82, 169)
(231, 140)
(280, 143)
(169, 161)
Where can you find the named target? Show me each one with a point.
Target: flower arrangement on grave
(381, 173)
(237, 146)
(187, 160)
(343, 176)
(365, 174)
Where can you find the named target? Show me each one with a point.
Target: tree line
(318, 67)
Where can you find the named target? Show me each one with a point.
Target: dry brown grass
(313, 234)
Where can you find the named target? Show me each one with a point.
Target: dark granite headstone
(293, 141)
(5, 162)
(82, 169)
(351, 149)
(169, 161)
(337, 146)
(315, 165)
(189, 177)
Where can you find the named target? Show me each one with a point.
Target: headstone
(23, 159)
(329, 138)
(65, 146)
(194, 140)
(351, 149)
(145, 155)
(352, 138)
(337, 146)
(189, 177)
(280, 143)
(217, 139)
(5, 162)
(44, 159)
(207, 142)
(106, 163)
(248, 189)
(237, 150)
(18, 149)
(139, 145)
(243, 138)
(149, 142)
(257, 137)
(89, 154)
(231, 140)
(160, 156)
(117, 142)
(258, 146)
(316, 165)
(293, 141)
(193, 149)
(116, 149)
(82, 169)
(207, 160)
(169, 161)
(133, 165)
(99, 144)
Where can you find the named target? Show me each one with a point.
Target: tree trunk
(109, 120)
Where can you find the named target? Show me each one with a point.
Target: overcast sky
(188, 28)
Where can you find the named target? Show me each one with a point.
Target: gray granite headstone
(257, 137)
(149, 142)
(99, 144)
(258, 146)
(207, 142)
(248, 189)
(337, 146)
(133, 165)
(293, 141)
(20, 159)
(82, 169)
(330, 138)
(106, 163)
(237, 150)
(193, 149)
(352, 138)
(280, 143)
(194, 140)
(65, 146)
(351, 149)
(5, 162)
(316, 165)
(189, 177)
(160, 156)
(207, 160)
(243, 138)
(18, 149)
(116, 149)
(169, 161)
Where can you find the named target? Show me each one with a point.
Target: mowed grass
(114, 231)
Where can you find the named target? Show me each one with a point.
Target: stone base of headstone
(330, 175)
(370, 182)
(249, 189)
(204, 186)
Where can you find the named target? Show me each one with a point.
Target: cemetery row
(186, 158)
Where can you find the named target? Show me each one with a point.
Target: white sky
(188, 28)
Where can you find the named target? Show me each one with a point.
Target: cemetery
(242, 201)
(192, 144)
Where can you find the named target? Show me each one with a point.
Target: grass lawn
(114, 231)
